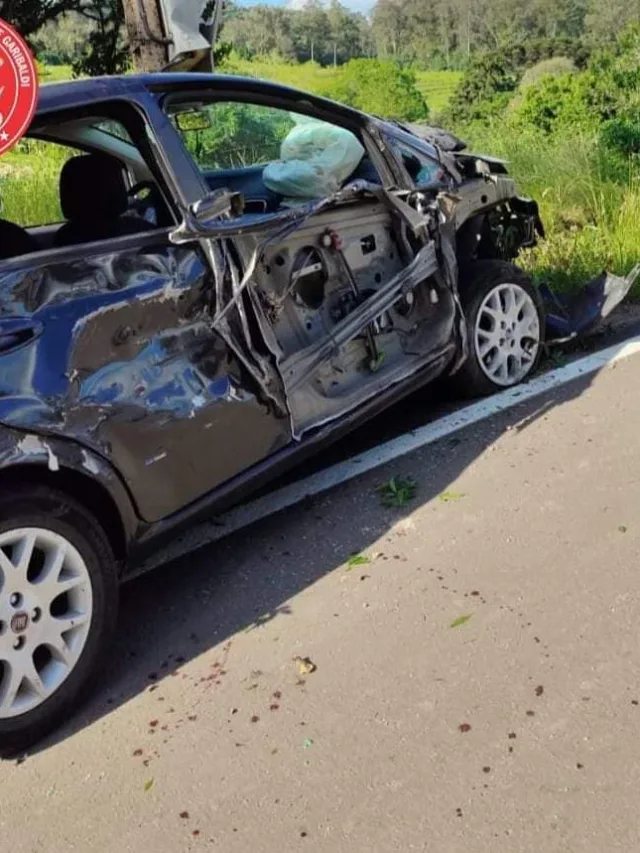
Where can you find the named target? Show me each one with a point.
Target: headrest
(92, 185)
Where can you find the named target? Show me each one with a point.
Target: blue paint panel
(126, 363)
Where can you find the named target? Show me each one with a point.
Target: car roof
(77, 93)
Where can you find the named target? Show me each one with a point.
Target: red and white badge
(18, 87)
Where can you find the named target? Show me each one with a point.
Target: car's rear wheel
(505, 327)
(58, 608)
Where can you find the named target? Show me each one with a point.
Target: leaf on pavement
(357, 560)
(460, 620)
(305, 665)
(450, 497)
(148, 785)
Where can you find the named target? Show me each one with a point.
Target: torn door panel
(347, 294)
(131, 368)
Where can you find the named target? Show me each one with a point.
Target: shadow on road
(237, 584)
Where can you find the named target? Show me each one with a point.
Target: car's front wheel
(505, 319)
(58, 607)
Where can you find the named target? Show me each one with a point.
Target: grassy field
(437, 88)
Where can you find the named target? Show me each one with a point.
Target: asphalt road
(477, 672)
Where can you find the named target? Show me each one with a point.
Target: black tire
(42, 507)
(477, 280)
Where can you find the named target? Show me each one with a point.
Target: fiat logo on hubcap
(19, 623)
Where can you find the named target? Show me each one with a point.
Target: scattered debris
(512, 735)
(486, 770)
(277, 694)
(255, 718)
(460, 620)
(274, 706)
(184, 815)
(305, 665)
(622, 528)
(579, 766)
(464, 728)
(531, 713)
(307, 743)
(148, 785)
(539, 690)
(570, 316)
(397, 492)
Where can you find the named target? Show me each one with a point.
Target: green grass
(29, 178)
(54, 73)
(308, 76)
(437, 88)
(590, 203)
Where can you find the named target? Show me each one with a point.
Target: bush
(554, 67)
(555, 103)
(486, 87)
(621, 136)
(379, 87)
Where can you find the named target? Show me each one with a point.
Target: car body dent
(131, 368)
(21, 450)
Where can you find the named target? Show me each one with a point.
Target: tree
(28, 16)
(344, 32)
(312, 29)
(104, 51)
(145, 34)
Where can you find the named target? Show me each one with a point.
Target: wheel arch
(78, 473)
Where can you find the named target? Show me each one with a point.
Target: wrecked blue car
(237, 274)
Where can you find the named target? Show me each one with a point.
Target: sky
(355, 5)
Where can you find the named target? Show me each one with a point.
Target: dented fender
(58, 456)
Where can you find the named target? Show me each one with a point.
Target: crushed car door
(108, 341)
(348, 294)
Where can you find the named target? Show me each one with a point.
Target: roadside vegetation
(556, 93)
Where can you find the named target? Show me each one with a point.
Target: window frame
(44, 129)
(292, 104)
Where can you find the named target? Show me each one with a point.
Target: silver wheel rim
(507, 334)
(46, 605)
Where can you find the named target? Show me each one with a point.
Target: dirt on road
(456, 673)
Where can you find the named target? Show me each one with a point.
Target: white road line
(322, 481)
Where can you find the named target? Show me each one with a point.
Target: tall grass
(589, 200)
(29, 183)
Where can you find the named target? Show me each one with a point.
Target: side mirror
(209, 217)
(217, 204)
